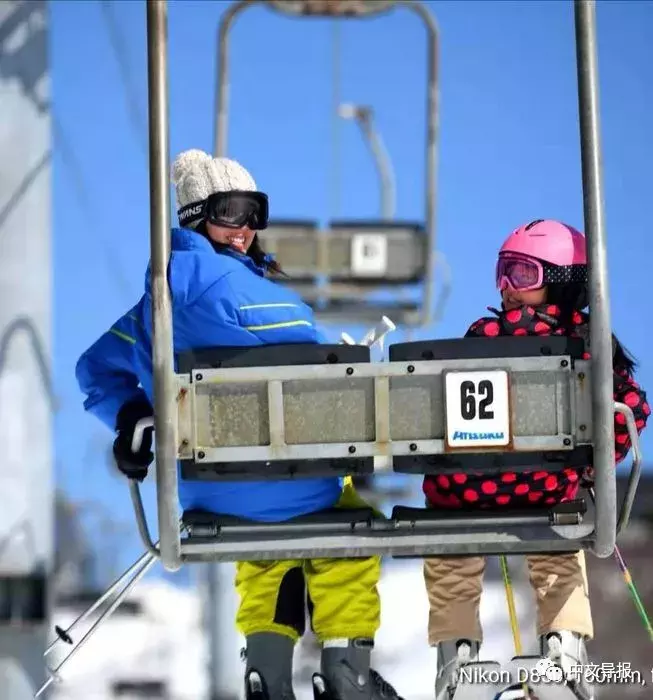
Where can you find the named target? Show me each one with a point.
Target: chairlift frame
(165, 389)
(427, 309)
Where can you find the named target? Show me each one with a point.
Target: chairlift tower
(26, 488)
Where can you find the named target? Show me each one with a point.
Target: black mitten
(133, 464)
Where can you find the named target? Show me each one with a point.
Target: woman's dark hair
(255, 251)
(575, 297)
(259, 256)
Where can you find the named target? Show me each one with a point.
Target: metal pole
(384, 166)
(222, 74)
(432, 128)
(222, 639)
(162, 356)
(600, 324)
(336, 141)
(364, 117)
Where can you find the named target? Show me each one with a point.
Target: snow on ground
(165, 642)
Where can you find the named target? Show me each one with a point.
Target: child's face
(512, 299)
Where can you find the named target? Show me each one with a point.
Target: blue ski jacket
(218, 299)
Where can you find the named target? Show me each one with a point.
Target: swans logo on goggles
(191, 213)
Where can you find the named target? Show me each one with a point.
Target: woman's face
(239, 239)
(513, 299)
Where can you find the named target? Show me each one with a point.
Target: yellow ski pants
(342, 593)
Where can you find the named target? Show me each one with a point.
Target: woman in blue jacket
(222, 297)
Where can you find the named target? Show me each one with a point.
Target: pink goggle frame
(518, 273)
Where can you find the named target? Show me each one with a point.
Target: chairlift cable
(336, 97)
(119, 48)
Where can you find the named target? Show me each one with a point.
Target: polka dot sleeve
(487, 327)
(628, 391)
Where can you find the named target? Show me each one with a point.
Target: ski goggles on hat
(233, 209)
(523, 274)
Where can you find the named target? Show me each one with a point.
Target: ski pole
(639, 605)
(510, 599)
(149, 561)
(512, 612)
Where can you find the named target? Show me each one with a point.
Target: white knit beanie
(196, 176)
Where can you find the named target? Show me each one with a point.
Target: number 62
(468, 391)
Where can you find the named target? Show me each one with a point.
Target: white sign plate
(369, 254)
(477, 409)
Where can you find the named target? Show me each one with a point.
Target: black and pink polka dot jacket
(534, 487)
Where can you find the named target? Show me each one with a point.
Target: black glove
(133, 464)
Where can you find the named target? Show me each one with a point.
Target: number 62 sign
(477, 409)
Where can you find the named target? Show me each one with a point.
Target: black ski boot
(346, 674)
(268, 672)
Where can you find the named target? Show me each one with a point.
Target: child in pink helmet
(541, 274)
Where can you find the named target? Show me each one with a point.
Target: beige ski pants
(454, 586)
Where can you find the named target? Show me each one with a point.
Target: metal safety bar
(635, 470)
(425, 317)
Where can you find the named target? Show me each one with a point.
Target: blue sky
(509, 153)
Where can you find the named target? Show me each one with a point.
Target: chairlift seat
(357, 532)
(296, 411)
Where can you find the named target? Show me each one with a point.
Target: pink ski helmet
(540, 253)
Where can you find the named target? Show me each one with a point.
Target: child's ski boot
(268, 672)
(567, 651)
(559, 673)
(461, 676)
(346, 674)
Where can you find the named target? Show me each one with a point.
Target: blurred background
(330, 117)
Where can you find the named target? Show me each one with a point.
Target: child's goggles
(523, 274)
(233, 209)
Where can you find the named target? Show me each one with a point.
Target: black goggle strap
(565, 274)
(192, 214)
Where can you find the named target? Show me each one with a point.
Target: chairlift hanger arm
(165, 408)
(331, 8)
(599, 299)
(424, 316)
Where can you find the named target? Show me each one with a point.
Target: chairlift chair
(435, 406)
